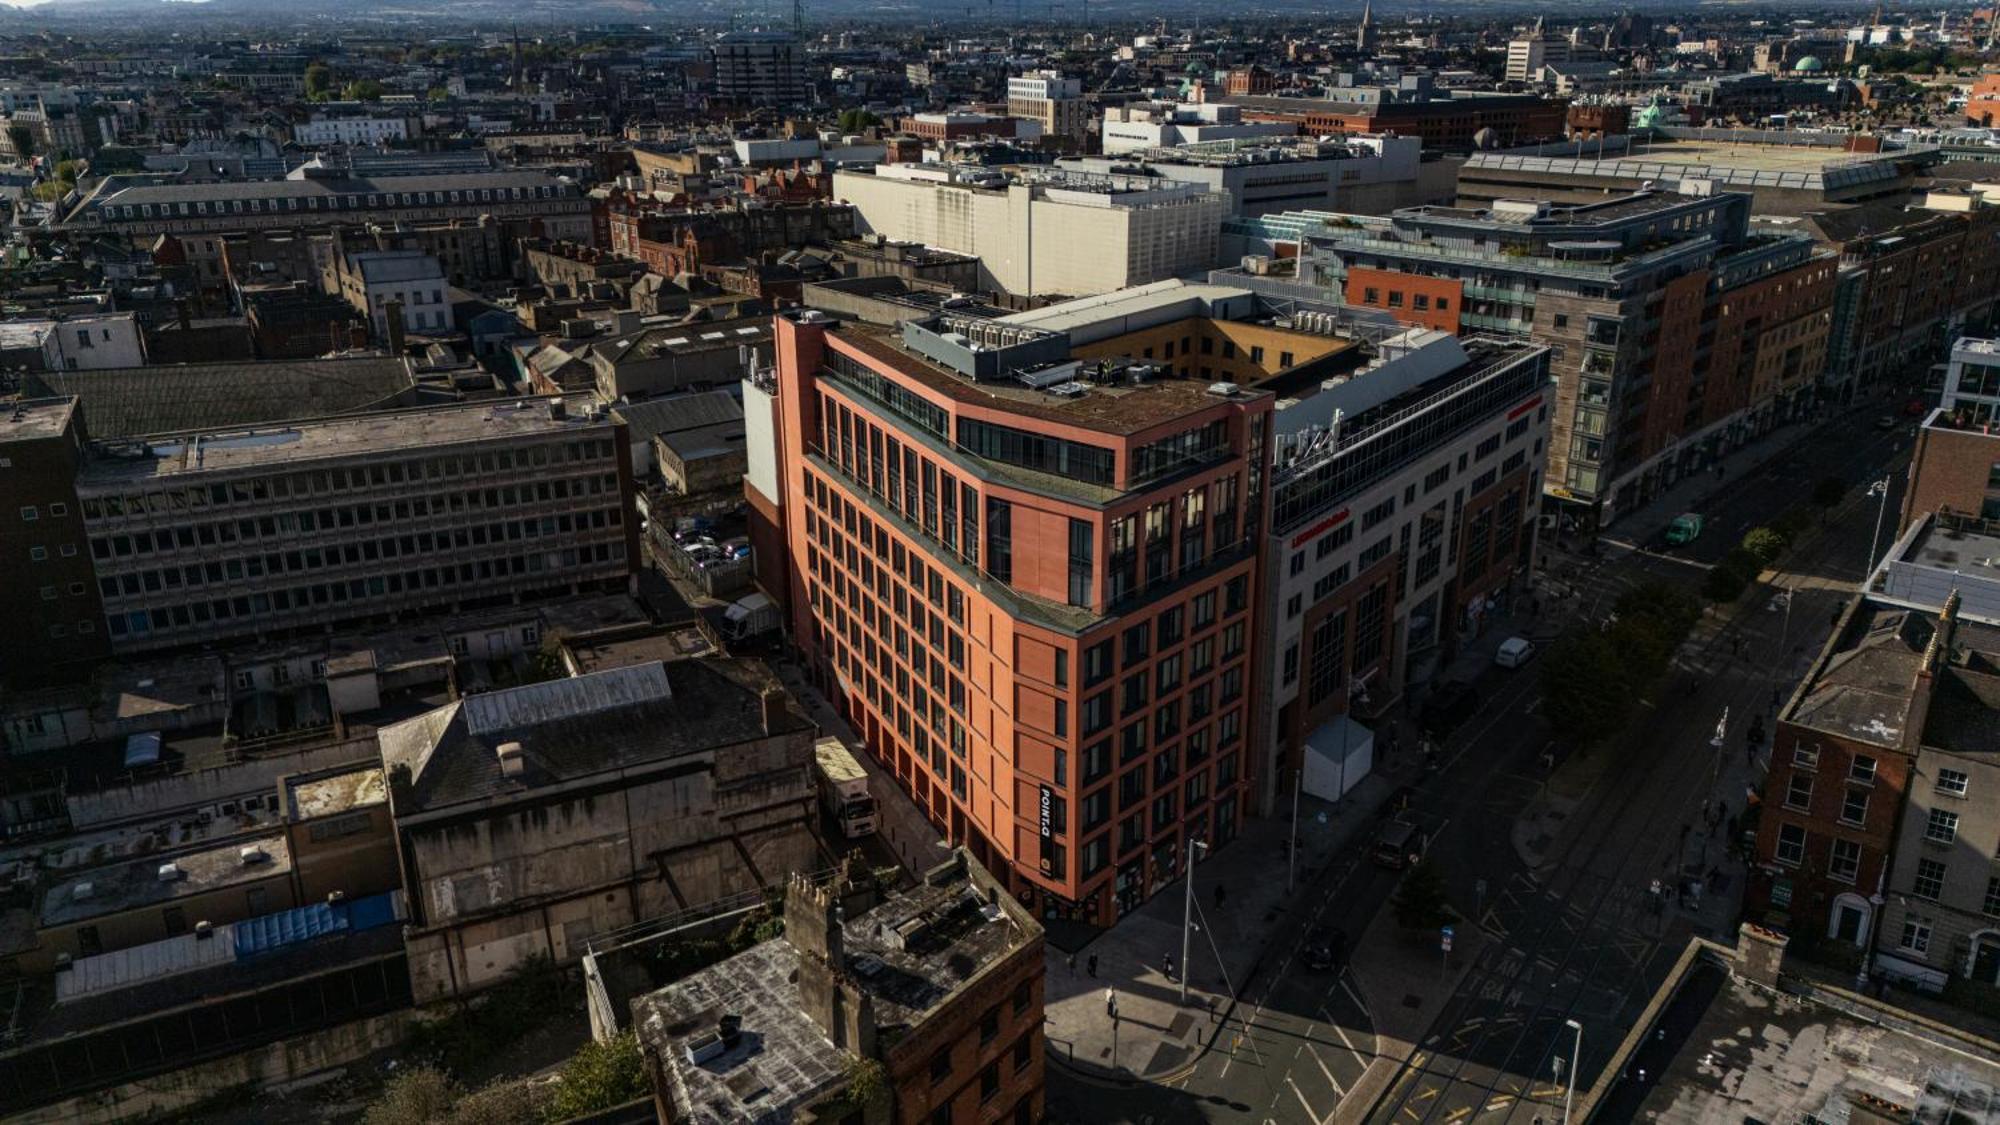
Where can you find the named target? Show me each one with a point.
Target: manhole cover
(1412, 1001)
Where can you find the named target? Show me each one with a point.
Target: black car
(1325, 950)
(1450, 704)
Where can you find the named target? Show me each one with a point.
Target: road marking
(1352, 995)
(1330, 1079)
(1311, 1113)
(1358, 1056)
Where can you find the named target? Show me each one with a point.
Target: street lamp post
(1292, 852)
(1575, 1064)
(1879, 488)
(1187, 913)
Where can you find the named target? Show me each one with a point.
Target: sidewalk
(1154, 1036)
(1406, 981)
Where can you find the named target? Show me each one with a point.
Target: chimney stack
(773, 700)
(392, 317)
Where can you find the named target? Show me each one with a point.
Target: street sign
(1444, 938)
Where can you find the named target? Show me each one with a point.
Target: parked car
(1325, 950)
(1400, 844)
(1514, 652)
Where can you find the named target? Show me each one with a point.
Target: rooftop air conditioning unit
(513, 759)
(252, 855)
(204, 930)
(170, 872)
(82, 890)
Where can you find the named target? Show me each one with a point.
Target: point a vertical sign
(1045, 818)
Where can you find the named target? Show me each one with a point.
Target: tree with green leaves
(362, 90)
(319, 81)
(855, 120)
(600, 1076)
(1422, 902)
(1764, 544)
(1586, 695)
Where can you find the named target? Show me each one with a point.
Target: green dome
(1649, 117)
(1808, 65)
(1195, 69)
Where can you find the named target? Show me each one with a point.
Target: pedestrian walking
(1072, 963)
(1221, 895)
(1111, 1001)
(1091, 965)
(1167, 965)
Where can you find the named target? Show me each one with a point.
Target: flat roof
(281, 447)
(1111, 409)
(1068, 316)
(119, 887)
(910, 954)
(35, 419)
(338, 791)
(1750, 1056)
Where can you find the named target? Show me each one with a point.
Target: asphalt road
(1579, 939)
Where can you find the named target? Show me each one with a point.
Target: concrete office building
(1527, 54)
(1680, 333)
(1784, 173)
(761, 68)
(1043, 234)
(50, 597)
(317, 195)
(1055, 102)
(1261, 178)
(1030, 584)
(531, 819)
(207, 537)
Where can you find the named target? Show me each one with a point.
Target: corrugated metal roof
(534, 704)
(135, 401)
(124, 968)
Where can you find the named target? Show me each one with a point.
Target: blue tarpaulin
(268, 932)
(368, 913)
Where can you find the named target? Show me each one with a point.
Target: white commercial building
(351, 131)
(1403, 508)
(77, 343)
(1148, 125)
(1266, 177)
(1052, 234)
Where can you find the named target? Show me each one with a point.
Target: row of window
(353, 553)
(343, 202)
(301, 599)
(288, 526)
(319, 482)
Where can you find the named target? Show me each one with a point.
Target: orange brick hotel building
(1029, 584)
